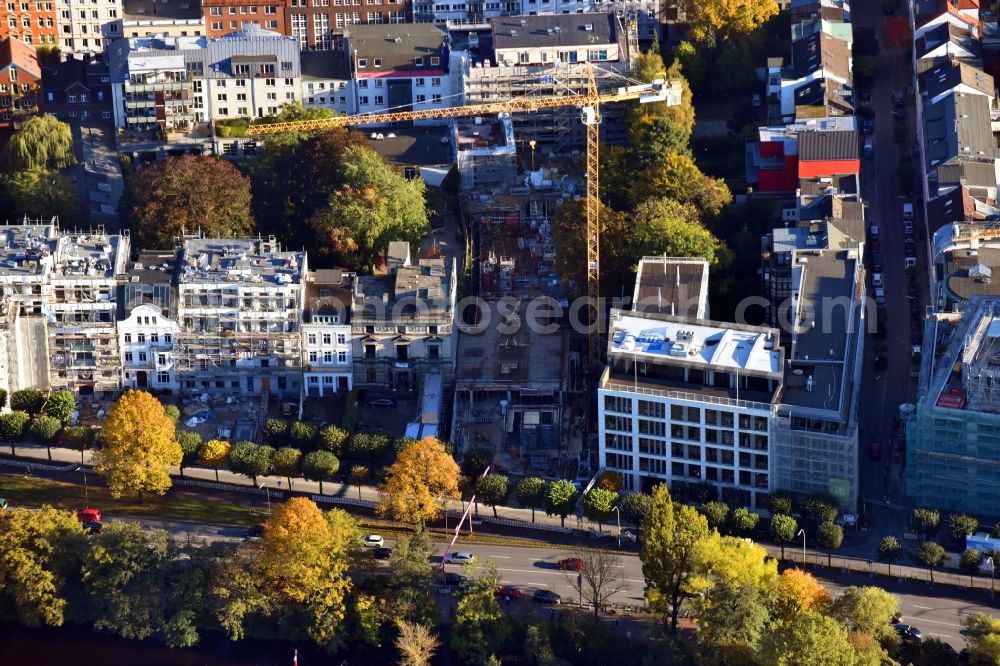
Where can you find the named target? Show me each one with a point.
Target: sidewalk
(347, 494)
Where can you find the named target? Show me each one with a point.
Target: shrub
(744, 521)
(172, 412)
(926, 521)
(45, 428)
(27, 400)
(636, 506)
(13, 425)
(780, 504)
(333, 439)
(302, 434)
(369, 444)
(3, 398)
(190, 442)
(275, 431)
(61, 405)
(716, 513)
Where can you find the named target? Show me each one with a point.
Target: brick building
(225, 16)
(31, 22)
(20, 82)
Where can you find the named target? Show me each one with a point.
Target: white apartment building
(326, 333)
(88, 26)
(152, 18)
(400, 68)
(689, 401)
(326, 81)
(147, 323)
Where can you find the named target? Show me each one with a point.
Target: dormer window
(419, 62)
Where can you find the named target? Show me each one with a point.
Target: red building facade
(32, 22)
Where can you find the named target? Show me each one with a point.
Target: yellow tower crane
(589, 104)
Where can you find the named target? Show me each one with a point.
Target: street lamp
(618, 513)
(267, 492)
(532, 143)
(992, 576)
(802, 533)
(86, 494)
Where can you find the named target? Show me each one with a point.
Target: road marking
(924, 607)
(947, 624)
(929, 633)
(499, 557)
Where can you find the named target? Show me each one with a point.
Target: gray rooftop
(399, 46)
(428, 146)
(27, 249)
(92, 255)
(554, 30)
(146, 10)
(153, 267)
(668, 285)
(239, 260)
(959, 127)
(948, 75)
(325, 65)
(328, 292)
(971, 174)
(426, 286)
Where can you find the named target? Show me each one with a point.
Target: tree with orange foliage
(424, 473)
(799, 591)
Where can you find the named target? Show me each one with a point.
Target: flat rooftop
(488, 134)
(525, 359)
(147, 10)
(27, 249)
(153, 267)
(713, 345)
(430, 146)
(90, 255)
(328, 292)
(238, 260)
(672, 285)
(428, 283)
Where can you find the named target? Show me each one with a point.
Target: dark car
(909, 632)
(910, 249)
(570, 564)
(877, 262)
(455, 580)
(382, 402)
(546, 597)
(93, 526)
(255, 532)
(383, 553)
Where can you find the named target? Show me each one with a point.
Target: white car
(460, 557)
(373, 541)
(877, 280)
(879, 295)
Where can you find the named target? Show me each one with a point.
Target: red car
(570, 564)
(509, 593)
(89, 515)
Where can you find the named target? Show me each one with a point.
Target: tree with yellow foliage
(719, 20)
(137, 446)
(215, 453)
(424, 473)
(799, 591)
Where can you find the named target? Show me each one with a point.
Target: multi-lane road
(938, 612)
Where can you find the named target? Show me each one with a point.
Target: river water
(79, 646)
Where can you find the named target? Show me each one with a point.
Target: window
(141, 337)
(161, 359)
(269, 82)
(327, 339)
(215, 11)
(379, 99)
(272, 96)
(436, 81)
(420, 82)
(128, 357)
(313, 356)
(378, 62)
(435, 60)
(419, 62)
(341, 339)
(436, 99)
(154, 337)
(232, 10)
(342, 357)
(142, 357)
(363, 100)
(362, 63)
(216, 25)
(222, 97)
(271, 9)
(286, 66)
(163, 377)
(241, 97)
(328, 357)
(223, 111)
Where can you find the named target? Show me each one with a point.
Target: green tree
(251, 460)
(333, 439)
(716, 513)
(531, 494)
(570, 236)
(215, 453)
(961, 525)
(969, 562)
(286, 463)
(830, 536)
(731, 620)
(359, 475)
(931, 554)
(294, 111)
(173, 412)
(493, 489)
(183, 195)
(650, 66)
(926, 521)
(45, 428)
(303, 434)
(369, 444)
(190, 443)
(734, 69)
(12, 427)
(783, 529)
(40, 193)
(374, 205)
(275, 431)
(27, 400)
(671, 534)
(657, 137)
(475, 461)
(635, 506)
(560, 499)
(79, 438)
(744, 521)
(821, 509)
(411, 598)
(865, 610)
(598, 504)
(137, 446)
(43, 142)
(675, 176)
(479, 624)
(983, 634)
(416, 644)
(721, 21)
(39, 556)
(890, 550)
(123, 575)
(806, 638)
(3, 398)
(780, 503)
(320, 466)
(666, 227)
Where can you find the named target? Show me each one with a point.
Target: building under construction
(953, 438)
(239, 310)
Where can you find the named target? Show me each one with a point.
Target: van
(907, 211)
(879, 295)
(873, 232)
(909, 262)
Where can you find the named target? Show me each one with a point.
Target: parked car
(909, 262)
(255, 532)
(908, 227)
(509, 593)
(92, 526)
(909, 632)
(546, 597)
(383, 553)
(875, 246)
(873, 232)
(876, 263)
(910, 248)
(89, 515)
(868, 125)
(907, 210)
(384, 403)
(869, 147)
(455, 580)
(570, 564)
(879, 295)
(459, 557)
(877, 280)
(897, 99)
(372, 541)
